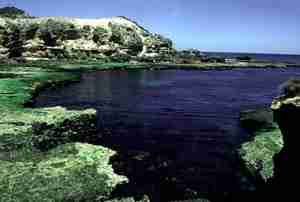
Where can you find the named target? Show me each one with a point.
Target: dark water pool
(175, 130)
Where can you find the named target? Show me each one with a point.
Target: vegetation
(99, 35)
(12, 12)
(258, 153)
(31, 30)
(70, 172)
(13, 39)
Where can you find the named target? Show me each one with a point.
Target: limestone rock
(58, 37)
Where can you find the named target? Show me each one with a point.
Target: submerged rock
(70, 172)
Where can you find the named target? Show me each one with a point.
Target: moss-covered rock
(43, 129)
(257, 154)
(70, 172)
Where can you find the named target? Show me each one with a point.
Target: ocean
(260, 57)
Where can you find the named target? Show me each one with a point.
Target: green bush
(165, 42)
(14, 40)
(71, 34)
(52, 31)
(11, 12)
(30, 31)
(128, 38)
(134, 43)
(116, 36)
(99, 34)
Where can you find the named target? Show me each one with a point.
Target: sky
(252, 26)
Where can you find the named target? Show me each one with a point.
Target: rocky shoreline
(48, 154)
(30, 135)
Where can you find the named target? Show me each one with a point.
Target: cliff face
(53, 37)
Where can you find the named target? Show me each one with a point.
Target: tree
(12, 12)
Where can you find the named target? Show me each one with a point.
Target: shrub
(52, 31)
(85, 31)
(116, 36)
(128, 38)
(30, 31)
(164, 42)
(11, 12)
(14, 40)
(99, 34)
(71, 34)
(134, 43)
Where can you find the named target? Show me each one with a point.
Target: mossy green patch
(258, 154)
(14, 92)
(71, 172)
(44, 128)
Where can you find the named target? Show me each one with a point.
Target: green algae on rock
(70, 172)
(258, 154)
(42, 129)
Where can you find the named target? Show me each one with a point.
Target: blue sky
(263, 26)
